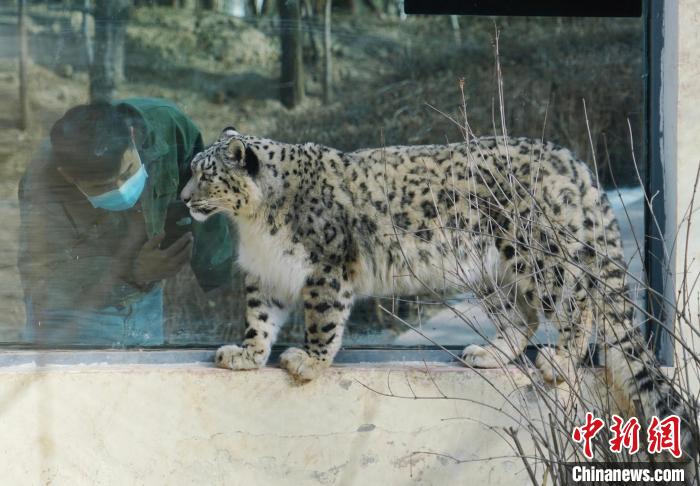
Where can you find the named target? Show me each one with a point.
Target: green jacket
(65, 245)
(172, 140)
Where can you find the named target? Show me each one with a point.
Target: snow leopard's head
(223, 178)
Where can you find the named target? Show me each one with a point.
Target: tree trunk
(267, 7)
(308, 20)
(456, 32)
(119, 44)
(327, 81)
(110, 34)
(308, 9)
(23, 92)
(86, 34)
(292, 72)
(253, 8)
(371, 6)
(388, 7)
(215, 5)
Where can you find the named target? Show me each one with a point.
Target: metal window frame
(526, 8)
(656, 260)
(36, 358)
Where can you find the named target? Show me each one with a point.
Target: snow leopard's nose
(186, 193)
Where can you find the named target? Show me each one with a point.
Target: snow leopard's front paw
(301, 366)
(486, 356)
(234, 357)
(480, 357)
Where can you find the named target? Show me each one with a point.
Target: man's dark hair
(89, 141)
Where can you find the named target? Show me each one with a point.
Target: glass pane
(80, 216)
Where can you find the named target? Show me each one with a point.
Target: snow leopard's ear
(235, 152)
(239, 154)
(228, 132)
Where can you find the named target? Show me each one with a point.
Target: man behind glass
(101, 227)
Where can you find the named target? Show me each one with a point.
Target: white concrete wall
(682, 159)
(194, 424)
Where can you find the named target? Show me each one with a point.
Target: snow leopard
(519, 222)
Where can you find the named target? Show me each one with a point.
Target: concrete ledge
(195, 424)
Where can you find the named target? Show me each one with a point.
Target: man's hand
(153, 264)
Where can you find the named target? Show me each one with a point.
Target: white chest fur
(280, 265)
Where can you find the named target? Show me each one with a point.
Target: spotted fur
(519, 222)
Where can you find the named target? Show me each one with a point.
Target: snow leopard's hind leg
(264, 317)
(327, 300)
(558, 363)
(531, 281)
(515, 321)
(564, 289)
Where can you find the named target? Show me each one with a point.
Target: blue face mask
(123, 197)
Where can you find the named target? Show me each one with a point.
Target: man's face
(130, 164)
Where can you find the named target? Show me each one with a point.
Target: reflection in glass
(393, 80)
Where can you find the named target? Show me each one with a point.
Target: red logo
(626, 435)
(662, 435)
(586, 432)
(665, 435)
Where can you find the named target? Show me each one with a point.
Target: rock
(65, 70)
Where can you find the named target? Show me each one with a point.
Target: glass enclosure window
(180, 71)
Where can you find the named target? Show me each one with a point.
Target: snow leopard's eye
(196, 161)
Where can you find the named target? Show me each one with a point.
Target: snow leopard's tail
(634, 373)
